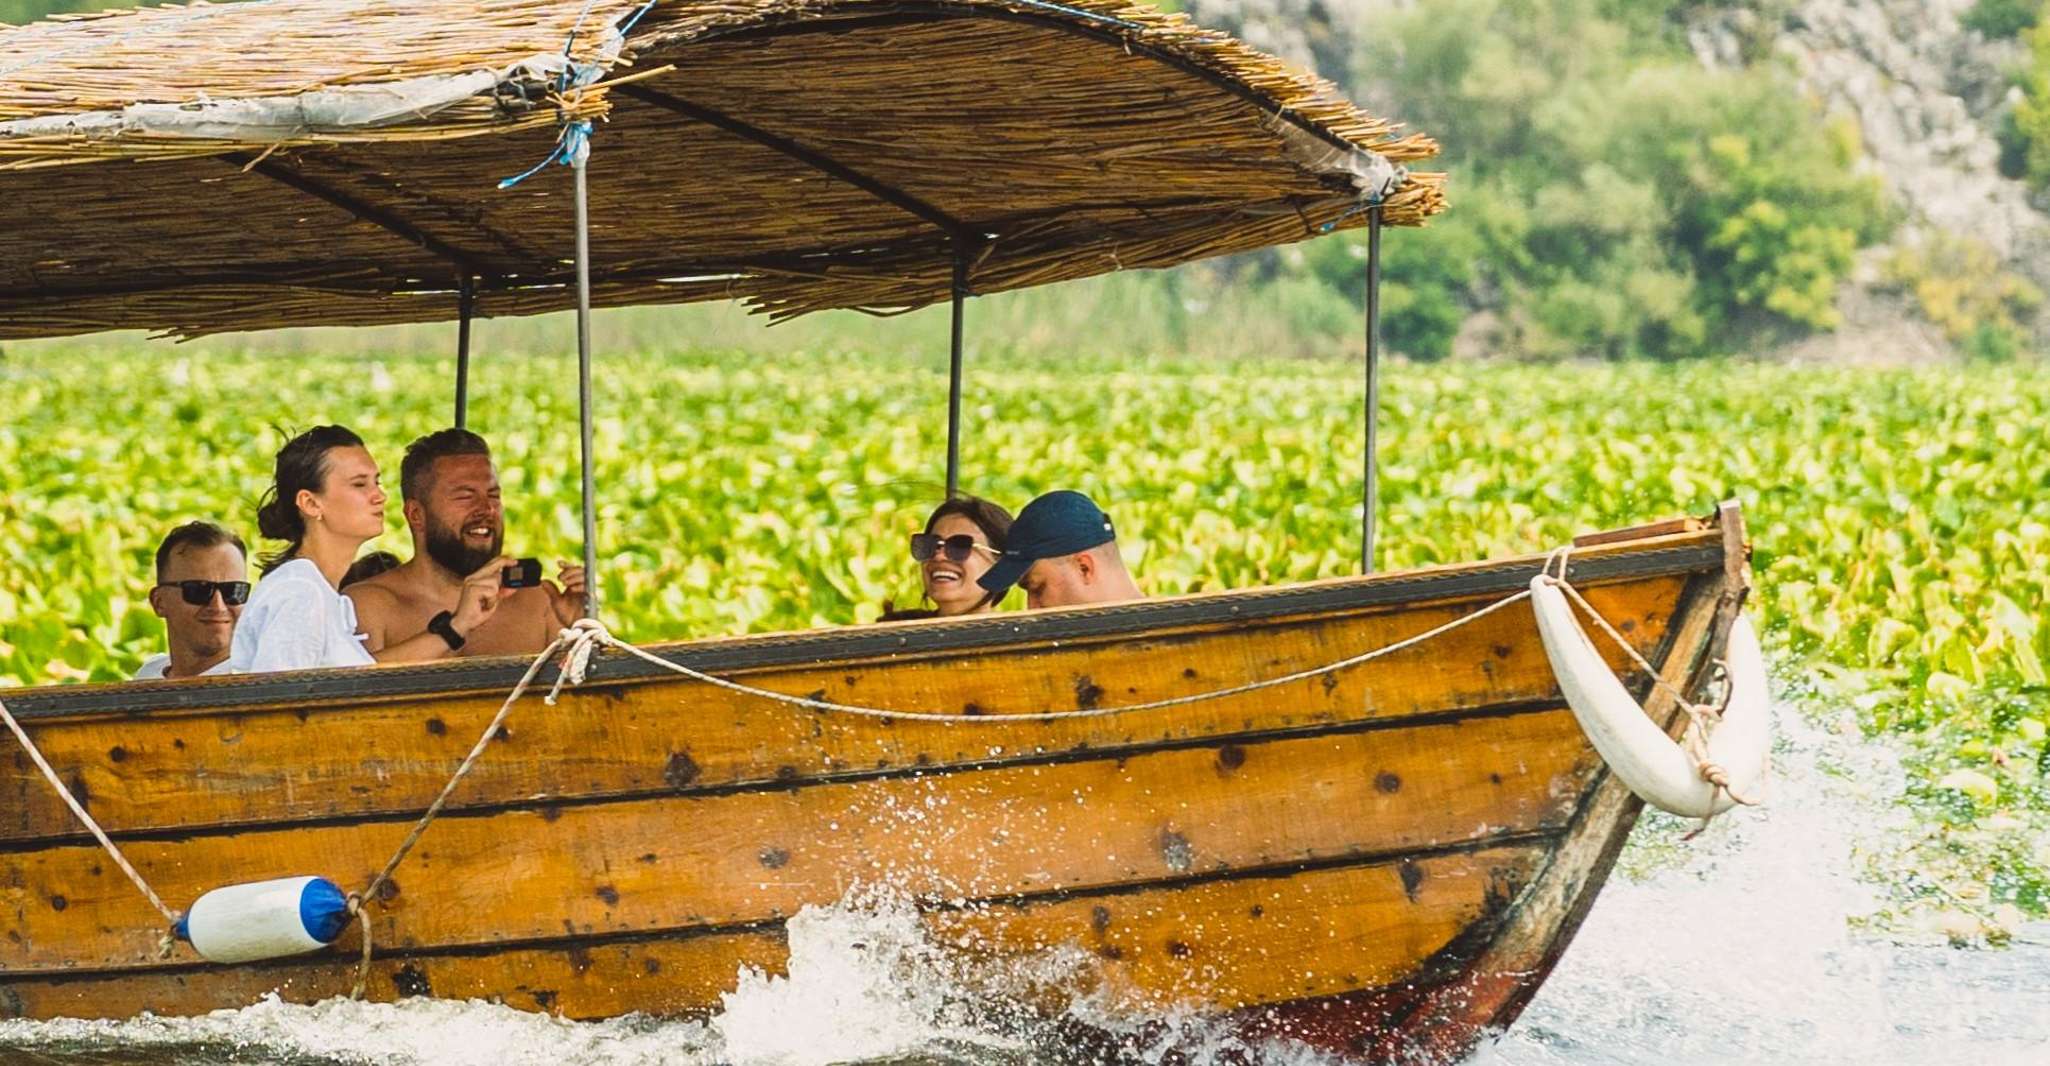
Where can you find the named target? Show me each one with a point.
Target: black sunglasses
(926, 545)
(197, 593)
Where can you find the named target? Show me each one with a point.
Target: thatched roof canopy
(286, 162)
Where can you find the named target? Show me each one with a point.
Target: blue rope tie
(575, 27)
(1349, 212)
(628, 25)
(573, 144)
(572, 147)
(1077, 12)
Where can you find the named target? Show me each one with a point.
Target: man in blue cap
(1063, 550)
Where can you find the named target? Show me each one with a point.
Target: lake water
(1737, 947)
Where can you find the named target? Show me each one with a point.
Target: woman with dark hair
(325, 502)
(962, 538)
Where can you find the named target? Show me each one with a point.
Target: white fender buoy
(1637, 751)
(265, 919)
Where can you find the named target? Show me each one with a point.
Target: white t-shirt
(295, 620)
(152, 668)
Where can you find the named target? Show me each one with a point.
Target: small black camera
(523, 573)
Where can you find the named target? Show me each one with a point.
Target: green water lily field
(1901, 518)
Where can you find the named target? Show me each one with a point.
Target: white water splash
(864, 983)
(1743, 949)
(342, 1031)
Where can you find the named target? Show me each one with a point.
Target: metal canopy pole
(578, 163)
(954, 375)
(466, 302)
(1373, 401)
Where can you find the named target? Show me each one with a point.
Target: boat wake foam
(1741, 946)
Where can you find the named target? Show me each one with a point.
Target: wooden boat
(1381, 860)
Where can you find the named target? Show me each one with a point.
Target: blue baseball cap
(1054, 525)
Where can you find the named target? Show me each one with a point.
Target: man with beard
(451, 496)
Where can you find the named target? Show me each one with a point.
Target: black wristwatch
(444, 626)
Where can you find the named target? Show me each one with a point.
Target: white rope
(358, 900)
(169, 940)
(584, 635)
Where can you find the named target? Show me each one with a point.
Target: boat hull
(1383, 860)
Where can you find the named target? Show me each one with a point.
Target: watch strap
(443, 625)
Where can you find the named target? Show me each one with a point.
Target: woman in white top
(325, 503)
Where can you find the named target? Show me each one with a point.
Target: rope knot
(579, 641)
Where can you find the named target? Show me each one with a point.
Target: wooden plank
(1667, 528)
(668, 977)
(287, 764)
(1232, 944)
(683, 862)
(1213, 946)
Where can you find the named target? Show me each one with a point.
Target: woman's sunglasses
(957, 547)
(197, 593)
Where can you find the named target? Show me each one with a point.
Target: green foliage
(1629, 202)
(1961, 286)
(1423, 276)
(2029, 128)
(2001, 19)
(1896, 513)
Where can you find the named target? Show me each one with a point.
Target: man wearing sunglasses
(1062, 551)
(202, 583)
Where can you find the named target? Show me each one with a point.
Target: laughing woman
(325, 502)
(961, 539)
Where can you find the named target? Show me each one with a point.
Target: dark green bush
(2030, 121)
(2000, 19)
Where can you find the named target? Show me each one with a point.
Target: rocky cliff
(1927, 96)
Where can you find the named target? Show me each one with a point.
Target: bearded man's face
(464, 520)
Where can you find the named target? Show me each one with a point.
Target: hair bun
(277, 520)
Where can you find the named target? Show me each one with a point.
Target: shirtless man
(202, 583)
(452, 507)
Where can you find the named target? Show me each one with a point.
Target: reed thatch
(287, 162)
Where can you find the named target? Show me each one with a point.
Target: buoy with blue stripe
(266, 919)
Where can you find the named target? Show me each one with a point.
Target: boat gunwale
(312, 691)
